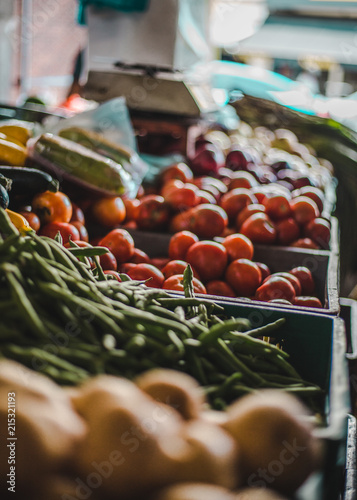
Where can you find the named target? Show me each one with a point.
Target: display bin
(349, 315)
(324, 265)
(317, 347)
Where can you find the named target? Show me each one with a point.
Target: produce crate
(349, 315)
(317, 346)
(324, 265)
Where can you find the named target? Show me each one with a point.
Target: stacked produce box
(194, 315)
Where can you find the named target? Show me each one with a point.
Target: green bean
(88, 251)
(24, 305)
(266, 329)
(218, 330)
(7, 228)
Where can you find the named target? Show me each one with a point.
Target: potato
(194, 491)
(275, 439)
(258, 494)
(175, 389)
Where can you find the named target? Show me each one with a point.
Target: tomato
(120, 243)
(207, 221)
(77, 214)
(67, 231)
(83, 233)
(306, 279)
(209, 258)
(305, 243)
(111, 274)
(219, 288)
(170, 185)
(159, 262)
(207, 182)
(307, 301)
(183, 197)
(131, 208)
(277, 206)
(260, 193)
(126, 266)
(311, 192)
(243, 276)
(108, 262)
(275, 287)
(319, 230)
(181, 222)
(179, 243)
(140, 257)
(280, 301)
(242, 179)
(154, 277)
(32, 219)
(235, 200)
(288, 231)
(259, 229)
(179, 171)
(108, 211)
(238, 246)
(153, 214)
(290, 277)
(206, 197)
(52, 207)
(177, 267)
(175, 282)
(264, 269)
(304, 209)
(247, 212)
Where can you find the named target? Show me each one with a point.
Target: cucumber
(78, 164)
(96, 142)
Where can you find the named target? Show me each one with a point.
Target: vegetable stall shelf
(317, 346)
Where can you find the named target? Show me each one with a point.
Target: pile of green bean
(60, 317)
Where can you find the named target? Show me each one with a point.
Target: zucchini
(78, 164)
(4, 197)
(26, 182)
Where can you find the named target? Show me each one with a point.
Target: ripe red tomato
(131, 208)
(182, 198)
(238, 246)
(306, 279)
(179, 171)
(219, 288)
(180, 242)
(277, 206)
(207, 221)
(170, 185)
(147, 272)
(181, 222)
(259, 229)
(290, 277)
(206, 197)
(209, 258)
(52, 207)
(109, 211)
(175, 282)
(311, 192)
(126, 266)
(319, 230)
(120, 243)
(177, 267)
(243, 276)
(305, 243)
(235, 200)
(83, 233)
(242, 179)
(306, 301)
(264, 269)
(66, 230)
(159, 262)
(276, 287)
(77, 214)
(304, 209)
(247, 212)
(288, 231)
(140, 257)
(153, 213)
(32, 219)
(108, 262)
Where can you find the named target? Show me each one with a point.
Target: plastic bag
(110, 119)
